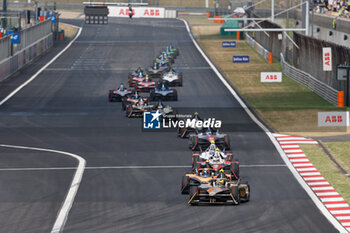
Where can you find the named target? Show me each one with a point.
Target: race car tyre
(193, 143)
(184, 186)
(234, 168)
(151, 95)
(192, 191)
(227, 144)
(174, 96)
(235, 194)
(195, 164)
(110, 96)
(246, 197)
(180, 79)
(128, 111)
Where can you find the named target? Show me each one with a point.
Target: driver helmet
(163, 87)
(141, 101)
(155, 66)
(167, 49)
(196, 115)
(206, 172)
(147, 78)
(140, 74)
(121, 87)
(221, 174)
(212, 146)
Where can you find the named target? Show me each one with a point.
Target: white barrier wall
(138, 12)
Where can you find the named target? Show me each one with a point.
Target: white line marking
(68, 202)
(121, 167)
(332, 199)
(39, 71)
(297, 176)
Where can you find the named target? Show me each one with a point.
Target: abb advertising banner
(327, 59)
(333, 119)
(271, 77)
(138, 12)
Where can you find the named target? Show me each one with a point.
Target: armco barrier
(326, 92)
(255, 45)
(12, 64)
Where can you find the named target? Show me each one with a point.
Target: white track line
(121, 167)
(305, 186)
(41, 70)
(68, 202)
(64, 211)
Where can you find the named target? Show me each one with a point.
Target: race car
(132, 99)
(135, 77)
(146, 85)
(205, 188)
(166, 56)
(172, 78)
(136, 109)
(216, 160)
(163, 92)
(174, 50)
(184, 132)
(201, 140)
(165, 110)
(157, 69)
(118, 94)
(173, 53)
(163, 58)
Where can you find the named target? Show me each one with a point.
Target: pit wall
(12, 64)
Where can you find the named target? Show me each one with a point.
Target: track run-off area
(131, 179)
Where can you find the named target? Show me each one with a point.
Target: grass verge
(341, 152)
(288, 107)
(328, 169)
(69, 31)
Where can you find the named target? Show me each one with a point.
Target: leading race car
(205, 188)
(118, 94)
(216, 159)
(201, 140)
(172, 53)
(174, 50)
(157, 69)
(163, 92)
(172, 78)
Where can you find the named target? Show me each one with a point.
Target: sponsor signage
(229, 44)
(154, 120)
(327, 59)
(53, 18)
(271, 77)
(138, 12)
(241, 59)
(15, 38)
(331, 119)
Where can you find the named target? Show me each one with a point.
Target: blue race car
(163, 92)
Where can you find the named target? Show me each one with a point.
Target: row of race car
(214, 176)
(144, 81)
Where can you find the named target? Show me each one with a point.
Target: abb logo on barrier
(125, 12)
(333, 119)
(151, 12)
(138, 12)
(269, 77)
(327, 59)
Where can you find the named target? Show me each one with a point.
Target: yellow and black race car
(206, 187)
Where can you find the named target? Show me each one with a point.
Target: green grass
(341, 152)
(328, 169)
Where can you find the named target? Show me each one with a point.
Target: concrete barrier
(12, 64)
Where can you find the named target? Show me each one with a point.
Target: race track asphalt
(66, 108)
